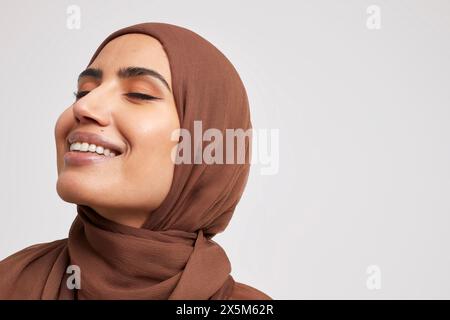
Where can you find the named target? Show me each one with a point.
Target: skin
(127, 188)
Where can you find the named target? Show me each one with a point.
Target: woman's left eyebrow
(139, 71)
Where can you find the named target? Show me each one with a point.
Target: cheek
(150, 130)
(63, 126)
(152, 142)
(149, 161)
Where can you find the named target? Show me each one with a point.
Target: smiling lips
(95, 139)
(88, 148)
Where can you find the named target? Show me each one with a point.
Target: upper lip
(93, 138)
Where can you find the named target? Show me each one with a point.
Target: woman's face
(125, 100)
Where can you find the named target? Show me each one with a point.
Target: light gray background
(364, 137)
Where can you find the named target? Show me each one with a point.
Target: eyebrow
(123, 73)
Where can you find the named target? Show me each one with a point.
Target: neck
(125, 217)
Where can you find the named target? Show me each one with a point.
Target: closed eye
(136, 95)
(141, 96)
(80, 94)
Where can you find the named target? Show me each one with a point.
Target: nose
(92, 108)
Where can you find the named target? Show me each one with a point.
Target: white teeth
(86, 147)
(75, 146)
(109, 153)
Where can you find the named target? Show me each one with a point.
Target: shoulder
(24, 272)
(34, 251)
(242, 291)
(32, 255)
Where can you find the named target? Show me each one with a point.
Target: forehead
(133, 50)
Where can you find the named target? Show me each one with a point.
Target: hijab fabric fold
(173, 255)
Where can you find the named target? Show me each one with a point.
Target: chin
(73, 188)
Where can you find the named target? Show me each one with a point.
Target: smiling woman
(124, 104)
(145, 223)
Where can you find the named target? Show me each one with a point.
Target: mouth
(85, 147)
(88, 148)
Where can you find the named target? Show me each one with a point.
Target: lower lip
(77, 158)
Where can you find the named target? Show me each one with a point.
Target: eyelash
(136, 95)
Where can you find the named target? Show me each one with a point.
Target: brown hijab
(173, 255)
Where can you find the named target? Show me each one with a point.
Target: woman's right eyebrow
(91, 72)
(125, 73)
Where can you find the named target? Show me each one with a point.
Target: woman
(145, 221)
